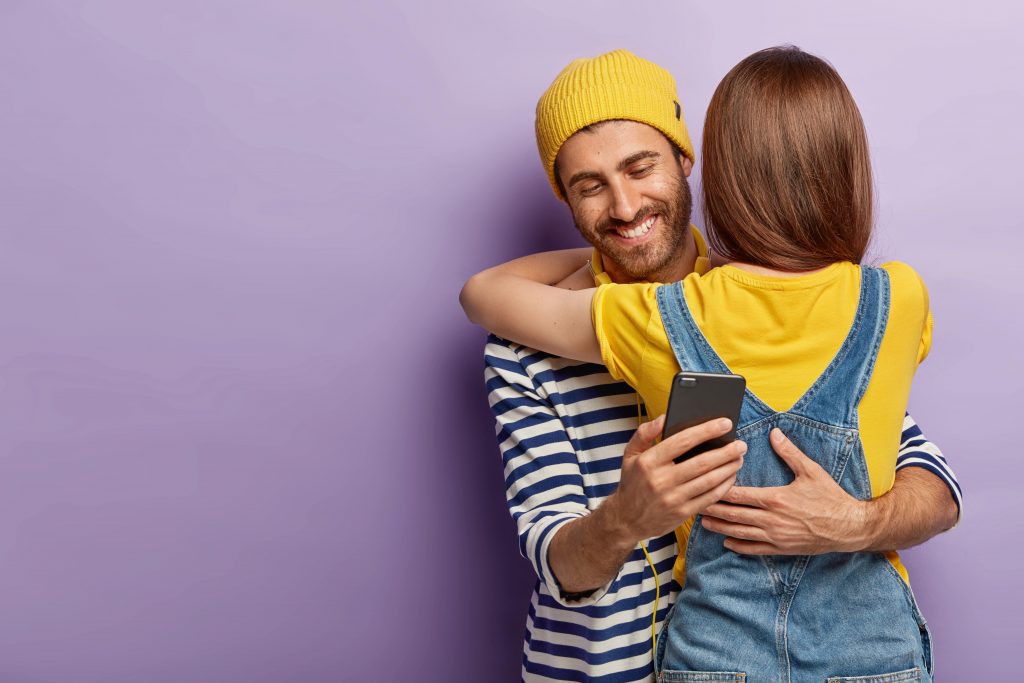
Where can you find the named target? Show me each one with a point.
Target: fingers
(739, 514)
(732, 530)
(699, 465)
(680, 443)
(752, 547)
(751, 496)
(696, 487)
(654, 427)
(712, 496)
(644, 437)
(790, 454)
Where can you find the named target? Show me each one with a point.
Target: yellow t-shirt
(780, 333)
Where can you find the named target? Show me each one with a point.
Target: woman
(828, 348)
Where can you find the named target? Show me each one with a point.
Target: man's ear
(687, 166)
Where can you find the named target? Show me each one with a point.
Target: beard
(645, 261)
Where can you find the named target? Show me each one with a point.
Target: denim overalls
(794, 619)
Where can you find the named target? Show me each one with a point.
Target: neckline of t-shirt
(816, 279)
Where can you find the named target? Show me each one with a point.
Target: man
(593, 510)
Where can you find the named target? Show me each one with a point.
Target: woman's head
(786, 174)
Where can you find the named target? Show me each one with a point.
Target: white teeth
(641, 229)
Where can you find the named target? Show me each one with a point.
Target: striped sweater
(561, 427)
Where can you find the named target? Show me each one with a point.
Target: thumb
(795, 458)
(645, 436)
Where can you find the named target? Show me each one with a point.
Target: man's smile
(638, 231)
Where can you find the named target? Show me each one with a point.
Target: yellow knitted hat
(615, 85)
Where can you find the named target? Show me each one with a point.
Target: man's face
(629, 196)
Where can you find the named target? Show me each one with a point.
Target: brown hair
(786, 174)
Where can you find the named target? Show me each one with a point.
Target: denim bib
(794, 619)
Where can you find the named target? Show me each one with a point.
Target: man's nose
(625, 202)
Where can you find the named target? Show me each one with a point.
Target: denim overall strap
(692, 349)
(836, 394)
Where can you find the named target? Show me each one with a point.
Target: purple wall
(243, 435)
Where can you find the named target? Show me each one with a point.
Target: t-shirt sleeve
(929, 323)
(622, 315)
(913, 299)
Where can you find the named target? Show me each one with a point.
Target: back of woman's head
(786, 173)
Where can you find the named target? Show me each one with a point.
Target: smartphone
(697, 397)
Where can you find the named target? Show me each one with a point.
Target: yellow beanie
(615, 85)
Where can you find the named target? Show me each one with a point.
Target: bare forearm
(482, 292)
(588, 552)
(510, 301)
(917, 508)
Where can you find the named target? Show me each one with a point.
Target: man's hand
(656, 494)
(809, 516)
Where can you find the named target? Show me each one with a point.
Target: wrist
(865, 525)
(615, 524)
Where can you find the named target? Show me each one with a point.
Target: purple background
(243, 435)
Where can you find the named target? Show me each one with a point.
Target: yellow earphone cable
(657, 599)
(643, 546)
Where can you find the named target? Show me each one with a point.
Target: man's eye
(640, 172)
(590, 190)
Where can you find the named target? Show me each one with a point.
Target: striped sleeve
(917, 451)
(543, 480)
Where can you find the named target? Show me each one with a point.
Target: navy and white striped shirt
(562, 426)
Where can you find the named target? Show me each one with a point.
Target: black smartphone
(697, 397)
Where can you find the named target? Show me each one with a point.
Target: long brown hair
(786, 173)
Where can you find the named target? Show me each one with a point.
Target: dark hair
(786, 179)
(676, 152)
